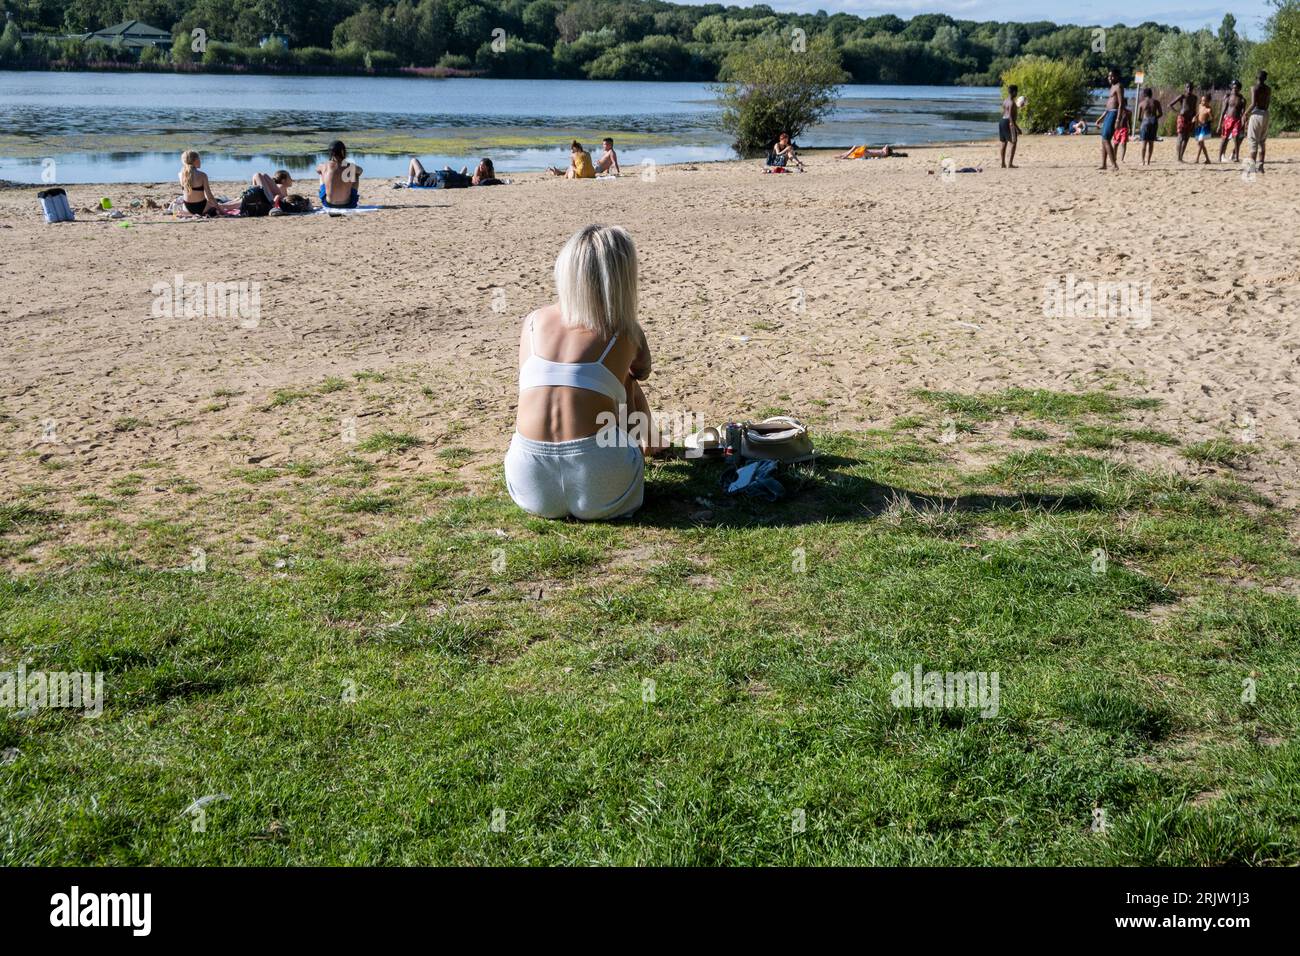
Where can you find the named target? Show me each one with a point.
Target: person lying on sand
(199, 199)
(485, 174)
(580, 364)
(608, 161)
(276, 186)
(448, 178)
(782, 153)
(867, 152)
(339, 179)
(580, 165)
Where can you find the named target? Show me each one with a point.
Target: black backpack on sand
(254, 202)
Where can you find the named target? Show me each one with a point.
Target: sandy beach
(833, 294)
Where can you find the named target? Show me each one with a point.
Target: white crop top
(538, 372)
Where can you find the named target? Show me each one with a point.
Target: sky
(1191, 15)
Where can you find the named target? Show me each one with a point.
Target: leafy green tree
(1197, 58)
(1228, 38)
(1279, 54)
(519, 59)
(948, 40)
(653, 58)
(11, 43)
(571, 59)
(473, 28)
(182, 48)
(925, 26)
(769, 89)
(1055, 92)
(539, 22)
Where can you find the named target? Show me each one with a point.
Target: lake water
(129, 127)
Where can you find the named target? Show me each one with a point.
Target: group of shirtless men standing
(1241, 118)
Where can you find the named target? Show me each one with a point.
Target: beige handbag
(782, 439)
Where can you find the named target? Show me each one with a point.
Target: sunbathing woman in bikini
(199, 199)
(867, 152)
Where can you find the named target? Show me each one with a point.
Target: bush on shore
(1056, 92)
(769, 88)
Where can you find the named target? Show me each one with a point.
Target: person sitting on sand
(783, 153)
(608, 161)
(1079, 127)
(199, 200)
(580, 165)
(580, 364)
(867, 152)
(339, 179)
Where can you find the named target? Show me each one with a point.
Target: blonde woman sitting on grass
(581, 360)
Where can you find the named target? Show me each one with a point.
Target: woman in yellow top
(580, 165)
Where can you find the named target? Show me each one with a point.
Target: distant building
(131, 34)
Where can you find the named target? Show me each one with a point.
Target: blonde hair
(189, 159)
(595, 275)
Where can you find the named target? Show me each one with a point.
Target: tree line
(593, 39)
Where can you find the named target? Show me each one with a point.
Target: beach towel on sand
(334, 211)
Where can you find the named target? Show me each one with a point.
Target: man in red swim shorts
(1186, 105)
(1234, 104)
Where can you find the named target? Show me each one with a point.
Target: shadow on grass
(690, 494)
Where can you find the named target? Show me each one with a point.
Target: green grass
(455, 456)
(1037, 403)
(1111, 436)
(1217, 451)
(386, 441)
(405, 661)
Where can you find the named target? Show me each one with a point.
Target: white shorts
(582, 477)
(1256, 130)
